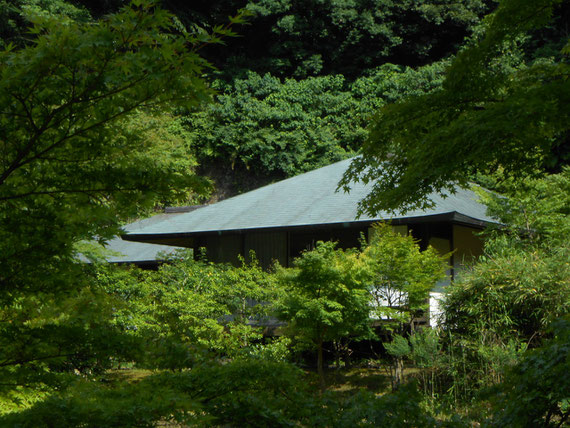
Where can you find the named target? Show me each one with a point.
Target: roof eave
(452, 216)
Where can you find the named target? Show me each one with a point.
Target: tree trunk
(398, 373)
(337, 353)
(320, 370)
(347, 360)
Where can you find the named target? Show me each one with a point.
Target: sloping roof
(304, 200)
(138, 252)
(118, 250)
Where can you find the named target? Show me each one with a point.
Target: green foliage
(402, 276)
(277, 128)
(47, 341)
(167, 142)
(398, 409)
(88, 139)
(549, 41)
(491, 112)
(510, 298)
(252, 393)
(302, 38)
(15, 17)
(68, 170)
(398, 347)
(537, 212)
(522, 282)
(295, 38)
(332, 294)
(188, 311)
(287, 128)
(182, 316)
(72, 168)
(88, 405)
(246, 393)
(423, 349)
(243, 393)
(324, 297)
(537, 390)
(503, 305)
(509, 294)
(390, 83)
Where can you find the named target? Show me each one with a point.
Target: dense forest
(111, 110)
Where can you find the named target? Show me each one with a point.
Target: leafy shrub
(280, 128)
(536, 391)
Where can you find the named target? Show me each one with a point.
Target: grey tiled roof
(307, 199)
(138, 252)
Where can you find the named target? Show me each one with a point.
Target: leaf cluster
(522, 281)
(490, 113)
(47, 341)
(190, 310)
(70, 168)
(274, 128)
(250, 393)
(537, 389)
(330, 294)
(325, 295)
(402, 275)
(247, 393)
(536, 212)
(300, 39)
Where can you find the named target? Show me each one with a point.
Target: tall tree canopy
(70, 164)
(76, 161)
(313, 37)
(265, 128)
(348, 41)
(490, 113)
(325, 298)
(300, 38)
